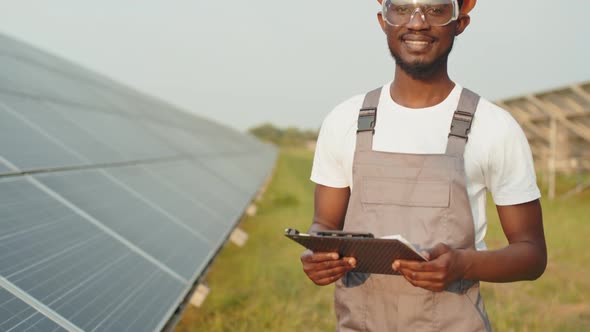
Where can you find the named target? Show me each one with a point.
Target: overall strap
(367, 120)
(461, 124)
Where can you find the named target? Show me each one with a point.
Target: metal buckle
(461, 124)
(366, 120)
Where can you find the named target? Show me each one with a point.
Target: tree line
(290, 136)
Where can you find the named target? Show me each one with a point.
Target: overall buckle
(461, 124)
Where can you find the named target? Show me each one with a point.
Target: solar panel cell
(16, 315)
(74, 268)
(55, 125)
(28, 149)
(132, 215)
(190, 211)
(222, 197)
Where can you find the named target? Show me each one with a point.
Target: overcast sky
(243, 63)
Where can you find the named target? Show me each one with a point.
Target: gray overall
(424, 198)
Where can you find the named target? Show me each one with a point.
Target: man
(417, 160)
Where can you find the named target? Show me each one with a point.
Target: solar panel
(16, 315)
(112, 203)
(27, 148)
(62, 129)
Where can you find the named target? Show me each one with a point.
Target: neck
(414, 92)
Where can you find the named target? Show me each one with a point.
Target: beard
(420, 70)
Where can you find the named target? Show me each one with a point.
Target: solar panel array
(112, 203)
(557, 125)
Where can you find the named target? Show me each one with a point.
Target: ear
(462, 23)
(381, 21)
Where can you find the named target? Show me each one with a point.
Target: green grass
(261, 286)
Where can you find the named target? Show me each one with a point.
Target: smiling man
(416, 157)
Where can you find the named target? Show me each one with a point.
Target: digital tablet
(373, 255)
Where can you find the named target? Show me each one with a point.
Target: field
(261, 286)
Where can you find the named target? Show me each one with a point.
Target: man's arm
(524, 258)
(330, 206)
(329, 213)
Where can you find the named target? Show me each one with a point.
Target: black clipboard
(373, 255)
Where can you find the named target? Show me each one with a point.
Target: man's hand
(323, 268)
(445, 266)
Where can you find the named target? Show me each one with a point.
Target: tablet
(373, 255)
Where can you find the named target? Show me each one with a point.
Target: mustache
(410, 35)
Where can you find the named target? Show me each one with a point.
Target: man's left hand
(445, 266)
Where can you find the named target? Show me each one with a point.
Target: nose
(418, 21)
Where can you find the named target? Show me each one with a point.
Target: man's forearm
(515, 262)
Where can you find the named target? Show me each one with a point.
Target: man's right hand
(323, 268)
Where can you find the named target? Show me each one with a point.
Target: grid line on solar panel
(145, 225)
(187, 207)
(16, 316)
(87, 148)
(82, 77)
(156, 207)
(88, 272)
(63, 129)
(34, 303)
(125, 137)
(108, 230)
(27, 148)
(97, 94)
(225, 199)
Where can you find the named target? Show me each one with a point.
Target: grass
(261, 286)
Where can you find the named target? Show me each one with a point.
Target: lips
(417, 43)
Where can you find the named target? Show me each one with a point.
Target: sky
(244, 63)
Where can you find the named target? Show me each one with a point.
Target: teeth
(416, 42)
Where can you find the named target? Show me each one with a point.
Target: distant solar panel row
(111, 203)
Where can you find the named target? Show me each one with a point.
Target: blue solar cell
(26, 147)
(124, 135)
(206, 186)
(54, 124)
(16, 315)
(182, 139)
(187, 209)
(67, 263)
(134, 216)
(232, 169)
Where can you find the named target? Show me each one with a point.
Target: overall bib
(424, 198)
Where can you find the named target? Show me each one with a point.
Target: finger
(319, 257)
(339, 270)
(326, 281)
(433, 277)
(312, 268)
(401, 264)
(330, 279)
(351, 261)
(424, 280)
(328, 276)
(431, 286)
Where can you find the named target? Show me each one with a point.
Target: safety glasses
(434, 12)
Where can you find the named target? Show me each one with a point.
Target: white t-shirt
(497, 155)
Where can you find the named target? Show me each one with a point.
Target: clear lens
(435, 12)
